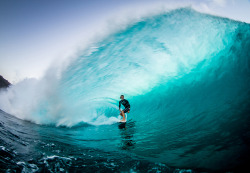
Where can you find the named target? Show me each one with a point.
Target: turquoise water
(186, 76)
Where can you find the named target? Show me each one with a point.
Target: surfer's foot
(123, 121)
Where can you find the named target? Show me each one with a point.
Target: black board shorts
(126, 110)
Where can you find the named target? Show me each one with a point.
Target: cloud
(221, 3)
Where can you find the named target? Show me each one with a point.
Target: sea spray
(165, 57)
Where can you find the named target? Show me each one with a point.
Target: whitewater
(186, 76)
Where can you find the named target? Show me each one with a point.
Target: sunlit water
(186, 76)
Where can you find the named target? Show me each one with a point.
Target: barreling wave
(173, 67)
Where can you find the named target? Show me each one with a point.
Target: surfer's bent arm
(119, 106)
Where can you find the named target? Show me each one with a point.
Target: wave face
(186, 76)
(182, 64)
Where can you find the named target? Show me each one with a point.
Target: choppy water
(186, 75)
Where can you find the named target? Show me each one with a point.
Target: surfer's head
(122, 97)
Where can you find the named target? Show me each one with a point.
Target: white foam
(103, 120)
(30, 95)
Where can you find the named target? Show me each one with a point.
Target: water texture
(186, 76)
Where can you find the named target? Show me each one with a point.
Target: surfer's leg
(123, 115)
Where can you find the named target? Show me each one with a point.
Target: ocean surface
(187, 78)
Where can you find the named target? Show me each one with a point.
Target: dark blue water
(186, 75)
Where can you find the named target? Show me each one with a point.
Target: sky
(37, 33)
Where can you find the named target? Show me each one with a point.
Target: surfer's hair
(122, 95)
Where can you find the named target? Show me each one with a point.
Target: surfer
(126, 104)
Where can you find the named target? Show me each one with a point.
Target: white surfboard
(120, 118)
